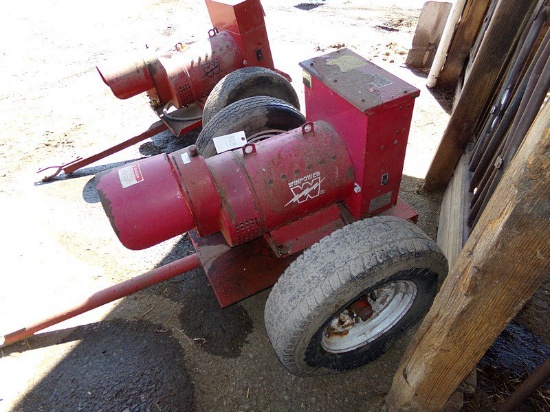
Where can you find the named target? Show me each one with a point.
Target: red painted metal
(403, 210)
(244, 20)
(155, 129)
(239, 218)
(294, 188)
(188, 73)
(182, 120)
(302, 233)
(127, 78)
(199, 188)
(145, 202)
(182, 76)
(80, 162)
(178, 128)
(379, 106)
(362, 308)
(238, 272)
(298, 173)
(283, 179)
(107, 295)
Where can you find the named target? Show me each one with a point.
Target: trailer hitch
(59, 169)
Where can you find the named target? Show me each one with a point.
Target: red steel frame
(107, 295)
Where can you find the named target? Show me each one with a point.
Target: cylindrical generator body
(243, 193)
(182, 76)
(281, 179)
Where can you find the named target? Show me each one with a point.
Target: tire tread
(248, 82)
(322, 271)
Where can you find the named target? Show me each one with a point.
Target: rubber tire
(251, 115)
(335, 272)
(248, 82)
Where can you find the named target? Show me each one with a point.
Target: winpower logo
(304, 188)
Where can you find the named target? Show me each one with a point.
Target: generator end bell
(144, 202)
(126, 79)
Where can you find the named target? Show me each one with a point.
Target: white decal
(130, 175)
(185, 158)
(229, 141)
(305, 188)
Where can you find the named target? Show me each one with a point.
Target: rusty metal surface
(238, 272)
(360, 82)
(527, 388)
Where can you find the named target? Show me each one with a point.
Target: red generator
(312, 211)
(188, 73)
(179, 81)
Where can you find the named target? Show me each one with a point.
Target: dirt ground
(169, 347)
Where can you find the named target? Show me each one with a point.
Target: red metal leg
(70, 167)
(107, 295)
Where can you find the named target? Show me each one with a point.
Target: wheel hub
(356, 325)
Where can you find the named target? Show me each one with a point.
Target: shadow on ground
(130, 364)
(120, 364)
(444, 97)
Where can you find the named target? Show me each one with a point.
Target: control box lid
(363, 84)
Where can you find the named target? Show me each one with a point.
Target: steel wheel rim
(347, 332)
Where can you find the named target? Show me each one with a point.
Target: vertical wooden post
(502, 264)
(503, 30)
(464, 37)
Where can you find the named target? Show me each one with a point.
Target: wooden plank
(452, 233)
(428, 33)
(503, 30)
(463, 39)
(480, 35)
(502, 264)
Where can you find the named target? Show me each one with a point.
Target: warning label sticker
(130, 175)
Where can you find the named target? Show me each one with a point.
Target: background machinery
(178, 81)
